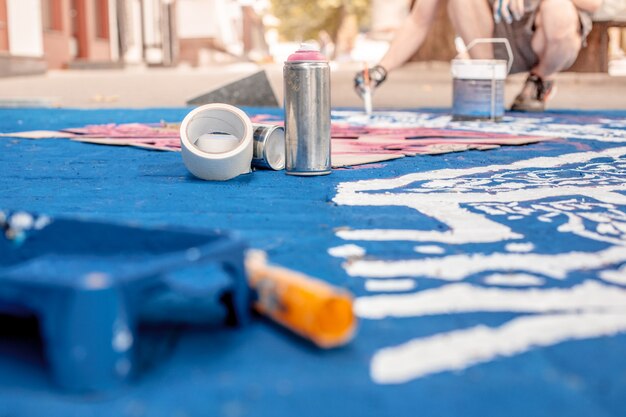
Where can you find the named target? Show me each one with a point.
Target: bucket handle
(504, 41)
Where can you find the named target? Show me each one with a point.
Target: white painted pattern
(520, 247)
(579, 193)
(429, 249)
(615, 277)
(458, 267)
(467, 298)
(539, 162)
(460, 349)
(389, 285)
(346, 251)
(456, 187)
(513, 280)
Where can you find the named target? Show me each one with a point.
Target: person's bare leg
(557, 39)
(473, 19)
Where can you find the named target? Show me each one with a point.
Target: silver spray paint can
(307, 112)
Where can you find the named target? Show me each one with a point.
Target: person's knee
(560, 22)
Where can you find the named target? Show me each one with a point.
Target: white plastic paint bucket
(478, 85)
(478, 89)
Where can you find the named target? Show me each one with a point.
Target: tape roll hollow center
(208, 129)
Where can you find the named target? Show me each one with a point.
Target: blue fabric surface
(262, 370)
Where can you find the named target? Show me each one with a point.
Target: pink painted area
(160, 136)
(128, 130)
(352, 140)
(349, 143)
(305, 54)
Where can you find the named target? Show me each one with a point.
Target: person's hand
(376, 75)
(508, 10)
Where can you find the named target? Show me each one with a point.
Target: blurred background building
(37, 35)
(41, 35)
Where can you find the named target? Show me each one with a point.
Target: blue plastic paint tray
(90, 285)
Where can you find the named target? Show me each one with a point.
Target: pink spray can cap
(307, 52)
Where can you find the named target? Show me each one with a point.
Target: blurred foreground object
(312, 308)
(92, 284)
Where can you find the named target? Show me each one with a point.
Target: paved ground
(415, 85)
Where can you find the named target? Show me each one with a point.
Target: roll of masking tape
(216, 142)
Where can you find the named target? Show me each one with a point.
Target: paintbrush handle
(307, 306)
(367, 100)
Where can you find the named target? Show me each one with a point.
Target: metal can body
(269, 146)
(307, 118)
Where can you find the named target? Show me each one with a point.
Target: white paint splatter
(389, 285)
(461, 349)
(429, 249)
(465, 298)
(347, 251)
(122, 340)
(520, 247)
(41, 222)
(513, 280)
(615, 277)
(21, 221)
(457, 267)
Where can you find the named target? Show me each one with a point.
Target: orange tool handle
(309, 307)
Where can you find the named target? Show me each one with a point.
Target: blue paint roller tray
(90, 285)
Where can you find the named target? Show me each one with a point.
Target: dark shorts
(520, 34)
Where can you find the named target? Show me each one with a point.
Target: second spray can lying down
(307, 112)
